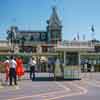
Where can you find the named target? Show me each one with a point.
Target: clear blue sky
(76, 16)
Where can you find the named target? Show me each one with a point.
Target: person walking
(12, 72)
(32, 64)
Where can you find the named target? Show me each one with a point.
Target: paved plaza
(86, 89)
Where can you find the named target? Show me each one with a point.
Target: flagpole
(93, 32)
(93, 35)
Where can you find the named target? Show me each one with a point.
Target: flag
(92, 28)
(78, 36)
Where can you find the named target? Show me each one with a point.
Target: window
(72, 58)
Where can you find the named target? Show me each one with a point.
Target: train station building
(49, 42)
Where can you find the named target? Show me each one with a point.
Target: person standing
(32, 64)
(19, 67)
(6, 63)
(49, 65)
(12, 72)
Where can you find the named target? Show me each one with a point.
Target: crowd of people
(14, 68)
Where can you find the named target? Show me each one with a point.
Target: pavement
(86, 89)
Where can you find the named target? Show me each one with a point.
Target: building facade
(73, 52)
(30, 41)
(76, 53)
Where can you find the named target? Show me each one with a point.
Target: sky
(77, 16)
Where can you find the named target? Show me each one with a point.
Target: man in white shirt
(32, 64)
(12, 72)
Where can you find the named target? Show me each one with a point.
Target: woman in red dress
(20, 67)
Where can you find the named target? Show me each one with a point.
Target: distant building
(30, 40)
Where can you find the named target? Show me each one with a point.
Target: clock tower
(54, 28)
